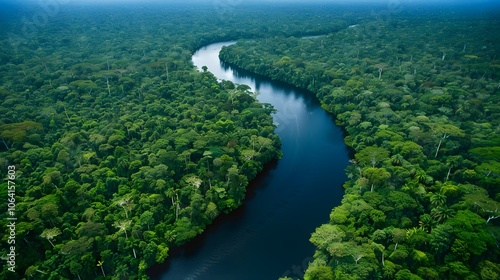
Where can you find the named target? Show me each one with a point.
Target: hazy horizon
(55, 5)
(237, 2)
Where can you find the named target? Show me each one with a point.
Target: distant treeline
(121, 148)
(418, 95)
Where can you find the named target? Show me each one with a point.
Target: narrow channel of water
(268, 237)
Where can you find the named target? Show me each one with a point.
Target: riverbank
(287, 203)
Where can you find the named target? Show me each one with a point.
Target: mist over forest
(117, 152)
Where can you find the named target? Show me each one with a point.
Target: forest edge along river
(268, 236)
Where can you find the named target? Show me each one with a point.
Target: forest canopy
(418, 96)
(123, 150)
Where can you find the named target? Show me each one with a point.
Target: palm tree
(452, 162)
(122, 226)
(170, 193)
(124, 203)
(397, 160)
(442, 213)
(100, 263)
(438, 199)
(421, 176)
(49, 234)
(427, 222)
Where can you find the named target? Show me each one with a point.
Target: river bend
(268, 237)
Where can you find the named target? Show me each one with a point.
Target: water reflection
(268, 236)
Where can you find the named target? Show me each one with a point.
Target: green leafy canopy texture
(422, 199)
(122, 149)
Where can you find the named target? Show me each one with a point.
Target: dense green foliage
(418, 94)
(122, 149)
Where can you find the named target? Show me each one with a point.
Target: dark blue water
(268, 237)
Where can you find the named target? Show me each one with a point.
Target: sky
(62, 2)
(59, 3)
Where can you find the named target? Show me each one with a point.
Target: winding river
(268, 237)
